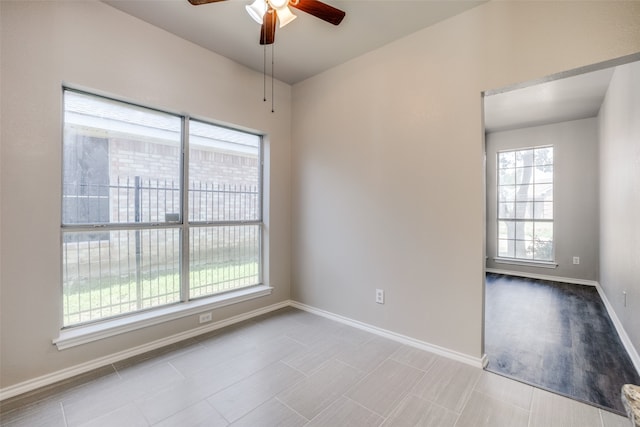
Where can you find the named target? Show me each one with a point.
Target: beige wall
(620, 197)
(575, 194)
(387, 161)
(95, 46)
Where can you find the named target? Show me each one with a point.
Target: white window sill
(526, 263)
(85, 334)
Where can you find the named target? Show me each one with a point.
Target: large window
(525, 204)
(153, 214)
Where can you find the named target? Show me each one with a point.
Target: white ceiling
(555, 101)
(305, 47)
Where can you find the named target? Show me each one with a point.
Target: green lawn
(112, 296)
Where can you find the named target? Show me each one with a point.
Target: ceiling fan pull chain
(272, 71)
(264, 74)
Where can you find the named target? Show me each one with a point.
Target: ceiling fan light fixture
(285, 16)
(278, 4)
(256, 10)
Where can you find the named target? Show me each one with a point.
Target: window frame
(82, 332)
(515, 260)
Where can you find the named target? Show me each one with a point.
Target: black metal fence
(107, 273)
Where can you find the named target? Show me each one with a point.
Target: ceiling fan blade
(199, 2)
(268, 30)
(319, 10)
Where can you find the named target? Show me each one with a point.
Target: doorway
(563, 111)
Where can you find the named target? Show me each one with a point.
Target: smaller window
(525, 204)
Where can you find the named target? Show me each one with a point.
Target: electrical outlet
(205, 317)
(576, 260)
(380, 296)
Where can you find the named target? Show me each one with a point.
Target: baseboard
(485, 360)
(64, 374)
(543, 277)
(460, 357)
(626, 341)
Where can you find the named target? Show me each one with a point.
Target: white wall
(575, 194)
(619, 121)
(388, 180)
(93, 45)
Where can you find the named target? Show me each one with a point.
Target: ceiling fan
(266, 12)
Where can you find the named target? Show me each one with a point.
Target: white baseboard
(485, 360)
(626, 341)
(542, 277)
(54, 377)
(451, 354)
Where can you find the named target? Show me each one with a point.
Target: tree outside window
(525, 204)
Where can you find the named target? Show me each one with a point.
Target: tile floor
(292, 368)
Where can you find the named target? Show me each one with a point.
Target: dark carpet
(555, 336)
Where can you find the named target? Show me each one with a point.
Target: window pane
(223, 258)
(506, 230)
(506, 160)
(543, 174)
(543, 192)
(524, 249)
(524, 210)
(543, 231)
(506, 176)
(506, 193)
(85, 197)
(131, 270)
(524, 158)
(121, 163)
(524, 192)
(506, 210)
(524, 230)
(224, 174)
(544, 251)
(506, 248)
(543, 156)
(543, 210)
(524, 175)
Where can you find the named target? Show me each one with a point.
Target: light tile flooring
(292, 368)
